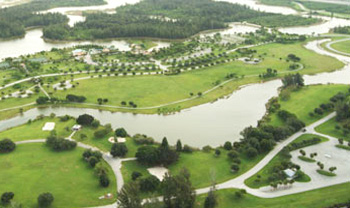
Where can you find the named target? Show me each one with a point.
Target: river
(211, 123)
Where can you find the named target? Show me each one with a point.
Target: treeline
(14, 20)
(168, 19)
(342, 30)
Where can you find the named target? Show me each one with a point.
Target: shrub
(104, 180)
(150, 183)
(228, 146)
(142, 139)
(119, 150)
(252, 152)
(6, 146)
(75, 98)
(187, 149)
(93, 161)
(45, 199)
(101, 133)
(120, 132)
(7, 197)
(135, 175)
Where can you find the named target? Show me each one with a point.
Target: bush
(95, 123)
(104, 180)
(142, 139)
(150, 183)
(6, 146)
(45, 199)
(252, 152)
(101, 133)
(85, 120)
(120, 132)
(89, 153)
(187, 149)
(119, 150)
(135, 175)
(7, 197)
(228, 146)
(75, 98)
(93, 161)
(207, 148)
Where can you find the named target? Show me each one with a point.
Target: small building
(290, 173)
(76, 127)
(78, 52)
(106, 50)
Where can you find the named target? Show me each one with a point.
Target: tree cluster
(163, 155)
(60, 144)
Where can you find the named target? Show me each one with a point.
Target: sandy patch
(49, 126)
(158, 172)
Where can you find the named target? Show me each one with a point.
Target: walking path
(329, 46)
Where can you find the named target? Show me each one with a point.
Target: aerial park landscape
(174, 103)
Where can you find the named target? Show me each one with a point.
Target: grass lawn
(326, 173)
(342, 46)
(34, 130)
(145, 90)
(33, 169)
(306, 159)
(342, 146)
(203, 167)
(304, 101)
(102, 143)
(328, 128)
(309, 199)
(278, 159)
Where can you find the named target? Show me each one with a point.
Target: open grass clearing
(33, 169)
(305, 100)
(204, 167)
(33, 130)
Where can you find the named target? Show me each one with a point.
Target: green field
(34, 130)
(204, 167)
(33, 169)
(328, 128)
(317, 198)
(305, 100)
(343, 46)
(278, 159)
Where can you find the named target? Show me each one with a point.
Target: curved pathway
(329, 46)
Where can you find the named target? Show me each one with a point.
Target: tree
(85, 120)
(45, 199)
(148, 155)
(6, 146)
(235, 167)
(178, 146)
(178, 190)
(119, 150)
(7, 197)
(129, 196)
(228, 145)
(211, 199)
(252, 152)
(93, 161)
(42, 100)
(149, 184)
(302, 152)
(332, 169)
(121, 132)
(104, 180)
(217, 152)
